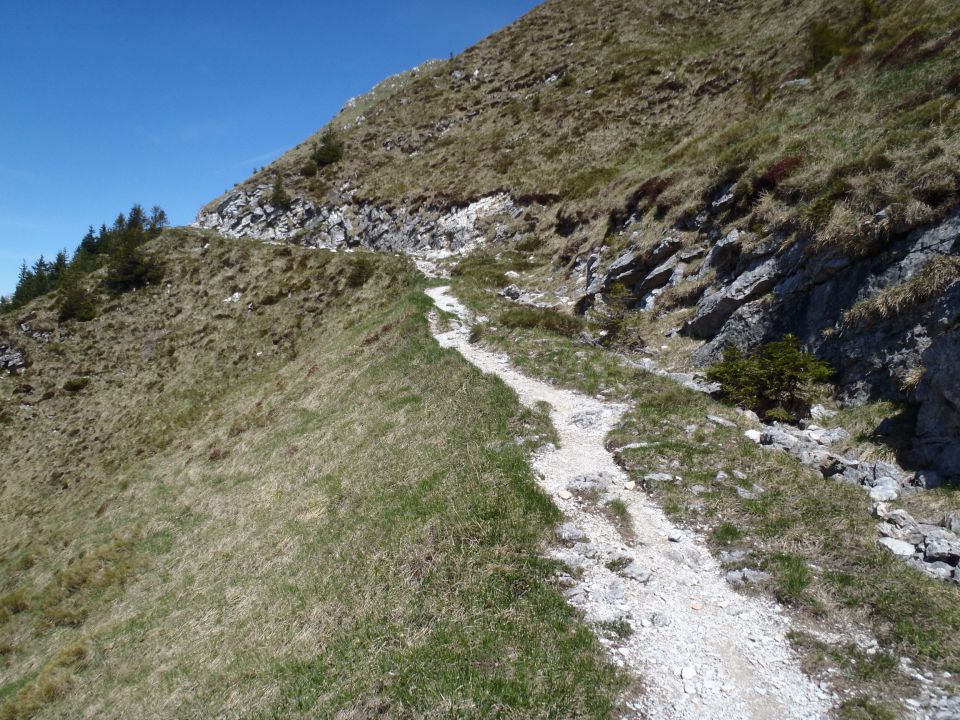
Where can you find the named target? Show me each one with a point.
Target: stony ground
(701, 649)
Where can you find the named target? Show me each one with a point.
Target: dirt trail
(701, 649)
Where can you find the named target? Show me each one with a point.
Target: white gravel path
(701, 649)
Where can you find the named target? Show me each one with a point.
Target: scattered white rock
(722, 422)
(635, 572)
(568, 532)
(883, 494)
(819, 412)
(897, 547)
(658, 477)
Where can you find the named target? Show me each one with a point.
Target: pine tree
(89, 243)
(137, 218)
(158, 220)
(76, 302)
(279, 197)
(130, 268)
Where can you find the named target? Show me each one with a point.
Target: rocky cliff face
(351, 224)
(11, 359)
(888, 320)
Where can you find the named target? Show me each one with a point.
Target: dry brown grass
(929, 283)
(54, 680)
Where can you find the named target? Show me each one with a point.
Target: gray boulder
(12, 359)
(897, 547)
(636, 573)
(722, 254)
(511, 292)
(658, 277)
(589, 483)
(568, 532)
(714, 310)
(937, 443)
(747, 576)
(746, 329)
(633, 266)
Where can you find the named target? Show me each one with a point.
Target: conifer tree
(279, 197)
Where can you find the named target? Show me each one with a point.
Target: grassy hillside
(828, 112)
(290, 505)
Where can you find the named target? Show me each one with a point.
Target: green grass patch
(543, 319)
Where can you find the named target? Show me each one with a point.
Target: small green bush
(309, 168)
(75, 385)
(76, 303)
(478, 332)
(824, 42)
(776, 382)
(827, 39)
(13, 603)
(793, 576)
(130, 268)
(863, 708)
(279, 197)
(617, 321)
(726, 534)
(329, 150)
(361, 270)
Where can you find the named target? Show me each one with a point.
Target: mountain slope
(768, 167)
(275, 496)
(260, 489)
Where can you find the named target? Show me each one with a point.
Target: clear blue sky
(171, 103)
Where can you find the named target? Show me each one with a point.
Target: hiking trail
(701, 649)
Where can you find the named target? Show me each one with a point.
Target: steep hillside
(742, 169)
(260, 489)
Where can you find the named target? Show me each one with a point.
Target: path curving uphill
(701, 649)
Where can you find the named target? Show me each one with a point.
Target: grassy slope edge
(321, 513)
